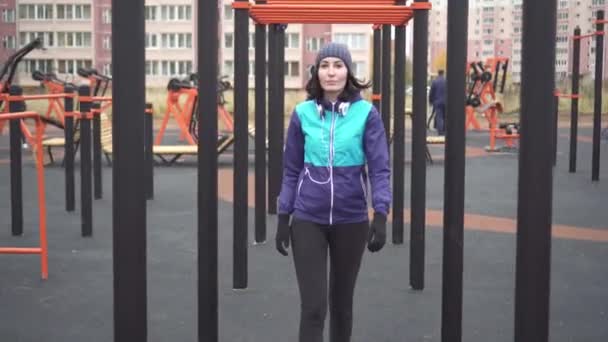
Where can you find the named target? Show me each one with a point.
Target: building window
(176, 12)
(106, 16)
(314, 44)
(47, 38)
(107, 42)
(150, 13)
(352, 40)
(70, 66)
(176, 68)
(228, 13)
(8, 42)
(152, 68)
(228, 40)
(292, 40)
(228, 68)
(176, 40)
(35, 12)
(107, 69)
(292, 69)
(151, 41)
(8, 15)
(43, 65)
(359, 69)
(74, 12)
(74, 39)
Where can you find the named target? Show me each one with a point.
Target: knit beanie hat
(335, 50)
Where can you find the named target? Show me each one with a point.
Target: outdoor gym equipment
(574, 97)
(16, 191)
(482, 92)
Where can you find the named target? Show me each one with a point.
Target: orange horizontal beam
(38, 97)
(20, 115)
(101, 98)
(20, 250)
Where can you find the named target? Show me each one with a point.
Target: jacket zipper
(331, 163)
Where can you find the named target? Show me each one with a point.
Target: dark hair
(440, 72)
(353, 86)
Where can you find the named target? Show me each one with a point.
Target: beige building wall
(68, 42)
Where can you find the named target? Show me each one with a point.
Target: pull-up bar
(335, 12)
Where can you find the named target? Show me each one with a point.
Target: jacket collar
(340, 107)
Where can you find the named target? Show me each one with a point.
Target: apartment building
(495, 28)
(8, 28)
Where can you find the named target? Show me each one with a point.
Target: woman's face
(332, 75)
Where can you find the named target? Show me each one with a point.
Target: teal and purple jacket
(326, 151)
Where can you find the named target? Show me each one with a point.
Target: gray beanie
(335, 50)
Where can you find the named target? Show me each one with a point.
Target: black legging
(310, 242)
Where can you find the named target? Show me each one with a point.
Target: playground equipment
(17, 215)
(482, 98)
(574, 97)
(7, 73)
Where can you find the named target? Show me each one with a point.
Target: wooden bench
(433, 140)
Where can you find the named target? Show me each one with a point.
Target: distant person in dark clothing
(437, 99)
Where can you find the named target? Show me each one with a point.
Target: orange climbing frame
(43, 248)
(332, 11)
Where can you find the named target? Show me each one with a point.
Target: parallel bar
(576, 62)
(148, 147)
(273, 94)
(386, 81)
(597, 104)
(418, 185)
(86, 205)
(241, 139)
(15, 156)
(377, 80)
(208, 325)
(454, 173)
(535, 186)
(68, 158)
(399, 136)
(97, 177)
(128, 185)
(260, 133)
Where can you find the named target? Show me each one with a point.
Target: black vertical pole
(86, 204)
(15, 155)
(399, 135)
(597, 104)
(128, 185)
(280, 112)
(148, 146)
(576, 61)
(454, 173)
(241, 138)
(535, 186)
(377, 81)
(260, 133)
(386, 80)
(555, 129)
(276, 124)
(273, 70)
(97, 180)
(208, 327)
(418, 186)
(68, 132)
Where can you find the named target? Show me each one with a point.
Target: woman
(324, 192)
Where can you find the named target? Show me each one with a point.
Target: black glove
(283, 234)
(377, 233)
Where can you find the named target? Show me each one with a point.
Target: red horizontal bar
(38, 97)
(20, 250)
(20, 115)
(101, 98)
